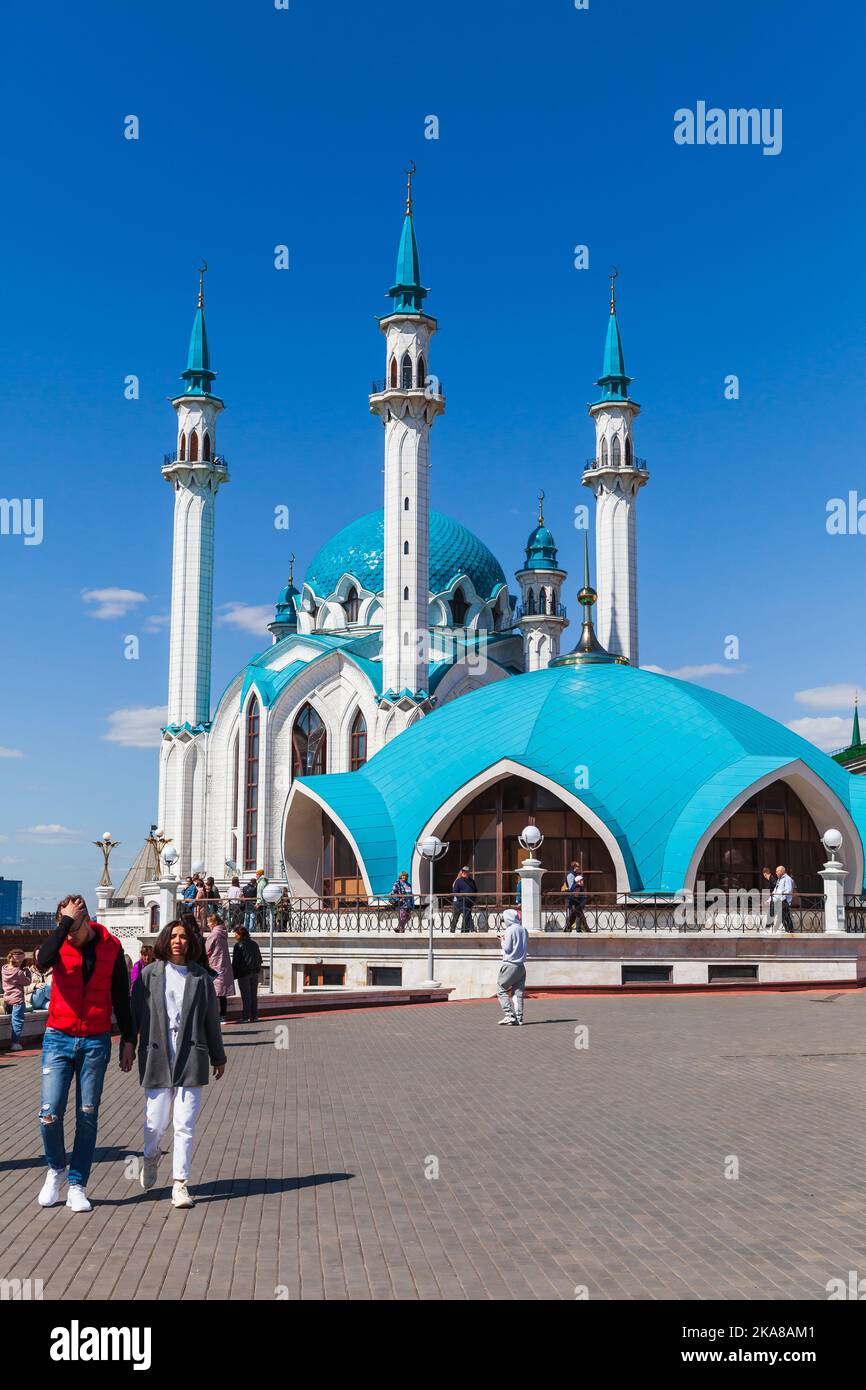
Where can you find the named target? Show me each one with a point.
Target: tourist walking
(89, 980)
(249, 899)
(246, 968)
(176, 1025)
(782, 897)
(576, 900)
(463, 891)
(217, 947)
(769, 883)
(15, 978)
(261, 885)
(234, 896)
(402, 899)
(145, 957)
(512, 971)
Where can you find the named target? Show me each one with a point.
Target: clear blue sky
(260, 126)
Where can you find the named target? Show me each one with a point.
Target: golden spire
(201, 275)
(410, 170)
(291, 569)
(540, 507)
(613, 276)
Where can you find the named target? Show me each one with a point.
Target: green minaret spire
(855, 731)
(198, 374)
(613, 381)
(407, 291)
(589, 651)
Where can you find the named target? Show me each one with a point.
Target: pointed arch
(616, 452)
(392, 374)
(406, 373)
(358, 742)
(193, 446)
(251, 785)
(422, 373)
(352, 604)
(205, 453)
(628, 453)
(604, 451)
(459, 608)
(309, 743)
(542, 601)
(530, 603)
(405, 504)
(181, 451)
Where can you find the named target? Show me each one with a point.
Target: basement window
(324, 976)
(647, 974)
(385, 974)
(732, 972)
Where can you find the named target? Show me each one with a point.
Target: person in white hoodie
(512, 971)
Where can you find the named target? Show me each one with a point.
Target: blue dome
(541, 550)
(665, 758)
(359, 550)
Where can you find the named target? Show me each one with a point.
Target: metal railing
(378, 388)
(638, 463)
(218, 460)
(521, 611)
(855, 912)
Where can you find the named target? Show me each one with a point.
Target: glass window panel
(744, 824)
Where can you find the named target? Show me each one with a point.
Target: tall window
(616, 454)
(181, 453)
(773, 827)
(405, 547)
(352, 604)
(309, 744)
(422, 373)
(530, 602)
(405, 504)
(406, 373)
(251, 796)
(193, 446)
(205, 453)
(604, 452)
(393, 374)
(628, 453)
(358, 750)
(553, 602)
(542, 601)
(459, 608)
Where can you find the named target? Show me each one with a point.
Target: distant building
(38, 921)
(10, 902)
(854, 756)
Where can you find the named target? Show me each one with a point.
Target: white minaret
(196, 473)
(541, 618)
(407, 402)
(616, 475)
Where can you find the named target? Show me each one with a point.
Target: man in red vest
(89, 981)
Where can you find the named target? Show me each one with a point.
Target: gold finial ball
(587, 596)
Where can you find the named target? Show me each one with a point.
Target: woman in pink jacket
(219, 959)
(15, 977)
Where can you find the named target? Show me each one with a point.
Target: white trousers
(158, 1112)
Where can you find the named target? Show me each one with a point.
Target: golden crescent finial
(410, 170)
(201, 274)
(291, 569)
(614, 274)
(541, 507)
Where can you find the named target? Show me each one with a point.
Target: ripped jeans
(85, 1058)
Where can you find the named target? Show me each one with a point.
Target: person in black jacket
(463, 890)
(246, 968)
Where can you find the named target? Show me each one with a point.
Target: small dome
(541, 550)
(359, 550)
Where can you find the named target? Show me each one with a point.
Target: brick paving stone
(557, 1167)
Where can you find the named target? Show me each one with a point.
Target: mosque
(407, 692)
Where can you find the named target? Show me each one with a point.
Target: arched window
(393, 374)
(459, 608)
(309, 744)
(205, 453)
(553, 602)
(604, 452)
(542, 601)
(628, 453)
(193, 446)
(406, 373)
(358, 743)
(616, 452)
(181, 452)
(530, 603)
(405, 547)
(251, 792)
(351, 604)
(405, 595)
(405, 504)
(422, 374)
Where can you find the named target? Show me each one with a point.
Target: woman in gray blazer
(176, 1025)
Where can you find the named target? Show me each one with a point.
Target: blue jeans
(65, 1056)
(250, 916)
(17, 1022)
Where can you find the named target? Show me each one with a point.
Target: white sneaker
(50, 1191)
(149, 1168)
(507, 1020)
(180, 1195)
(76, 1199)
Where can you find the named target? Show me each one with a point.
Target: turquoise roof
(613, 380)
(198, 375)
(407, 291)
(664, 758)
(359, 550)
(541, 550)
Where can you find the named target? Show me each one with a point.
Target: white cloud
(156, 622)
(829, 731)
(693, 673)
(247, 617)
(7, 859)
(138, 727)
(839, 696)
(112, 603)
(49, 834)
(11, 753)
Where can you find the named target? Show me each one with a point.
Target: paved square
(558, 1166)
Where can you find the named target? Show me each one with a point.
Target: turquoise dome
(359, 550)
(664, 759)
(541, 550)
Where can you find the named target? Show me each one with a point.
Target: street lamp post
(432, 849)
(167, 885)
(272, 894)
(530, 873)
